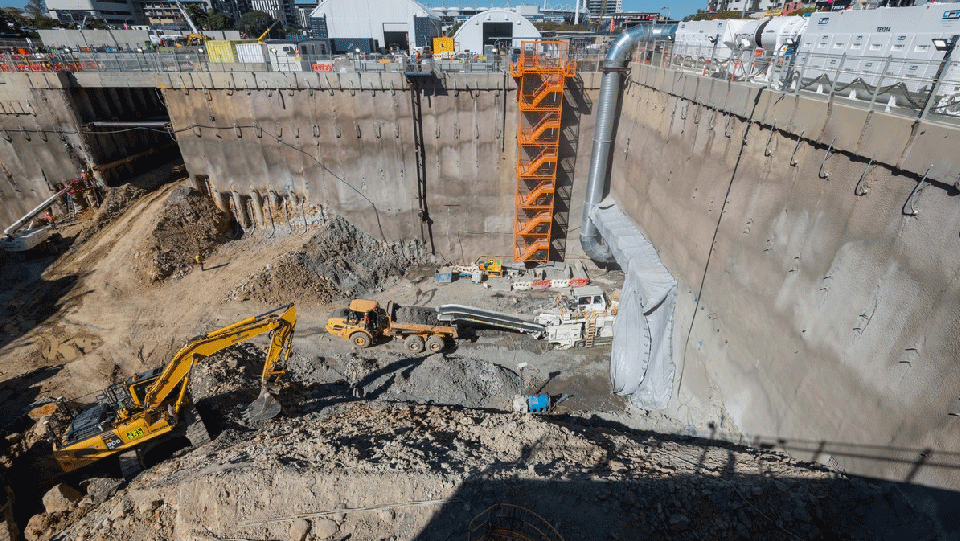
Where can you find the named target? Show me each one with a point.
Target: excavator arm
(282, 326)
(114, 428)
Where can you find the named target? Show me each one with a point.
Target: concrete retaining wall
(346, 142)
(810, 310)
(39, 146)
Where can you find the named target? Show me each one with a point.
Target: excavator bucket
(265, 407)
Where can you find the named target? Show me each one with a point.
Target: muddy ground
(374, 443)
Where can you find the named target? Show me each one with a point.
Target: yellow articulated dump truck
(365, 321)
(148, 408)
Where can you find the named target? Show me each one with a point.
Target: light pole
(668, 13)
(947, 47)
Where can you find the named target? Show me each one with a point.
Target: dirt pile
(339, 261)
(286, 280)
(187, 225)
(114, 204)
(376, 471)
(439, 379)
(224, 384)
(354, 262)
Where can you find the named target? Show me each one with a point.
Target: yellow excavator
(133, 416)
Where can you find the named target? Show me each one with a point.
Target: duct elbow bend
(595, 250)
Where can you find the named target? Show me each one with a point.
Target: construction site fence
(195, 60)
(926, 89)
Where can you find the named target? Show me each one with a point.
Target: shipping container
(224, 51)
(251, 53)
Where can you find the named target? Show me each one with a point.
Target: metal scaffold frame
(541, 70)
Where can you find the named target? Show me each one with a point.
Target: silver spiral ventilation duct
(607, 105)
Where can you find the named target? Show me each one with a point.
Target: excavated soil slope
(381, 471)
(189, 225)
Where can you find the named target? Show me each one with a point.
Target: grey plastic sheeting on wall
(641, 359)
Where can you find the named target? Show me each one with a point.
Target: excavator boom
(204, 346)
(137, 413)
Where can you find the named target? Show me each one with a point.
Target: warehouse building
(494, 28)
(369, 26)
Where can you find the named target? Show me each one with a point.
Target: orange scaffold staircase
(541, 70)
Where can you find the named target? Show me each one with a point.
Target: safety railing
(196, 59)
(919, 88)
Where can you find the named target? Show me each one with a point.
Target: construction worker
(199, 261)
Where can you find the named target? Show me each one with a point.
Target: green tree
(219, 21)
(45, 23)
(254, 23)
(197, 15)
(35, 9)
(14, 15)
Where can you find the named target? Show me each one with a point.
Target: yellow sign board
(442, 45)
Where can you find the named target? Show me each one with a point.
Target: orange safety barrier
(322, 67)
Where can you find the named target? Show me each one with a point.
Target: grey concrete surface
(806, 313)
(345, 142)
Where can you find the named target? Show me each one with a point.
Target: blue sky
(678, 8)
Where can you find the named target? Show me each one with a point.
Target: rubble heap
(339, 261)
(189, 224)
(376, 471)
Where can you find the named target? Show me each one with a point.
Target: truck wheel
(413, 343)
(435, 343)
(130, 464)
(360, 339)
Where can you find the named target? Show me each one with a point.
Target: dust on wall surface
(347, 143)
(811, 308)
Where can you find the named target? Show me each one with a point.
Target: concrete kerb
(934, 145)
(689, 87)
(741, 100)
(886, 137)
(844, 127)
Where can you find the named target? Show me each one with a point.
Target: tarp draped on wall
(641, 359)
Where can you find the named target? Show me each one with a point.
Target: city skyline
(677, 9)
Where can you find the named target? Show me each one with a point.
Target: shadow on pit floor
(716, 502)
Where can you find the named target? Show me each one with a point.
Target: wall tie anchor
(915, 194)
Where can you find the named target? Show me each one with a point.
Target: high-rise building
(303, 9)
(164, 14)
(280, 10)
(603, 8)
(116, 13)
